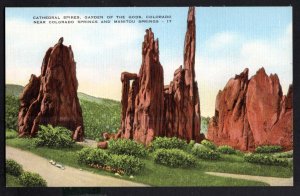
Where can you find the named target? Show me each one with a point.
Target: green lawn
(12, 181)
(158, 175)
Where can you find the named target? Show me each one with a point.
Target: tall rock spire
(189, 51)
(182, 103)
(149, 101)
(159, 110)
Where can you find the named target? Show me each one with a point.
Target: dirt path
(88, 143)
(70, 176)
(272, 181)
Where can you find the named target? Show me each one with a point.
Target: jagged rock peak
(61, 40)
(52, 98)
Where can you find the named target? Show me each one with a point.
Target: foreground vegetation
(17, 177)
(161, 175)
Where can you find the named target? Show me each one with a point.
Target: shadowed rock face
(149, 103)
(182, 109)
(51, 98)
(151, 109)
(142, 101)
(253, 112)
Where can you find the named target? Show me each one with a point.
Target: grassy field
(158, 175)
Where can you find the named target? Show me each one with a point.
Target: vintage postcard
(148, 96)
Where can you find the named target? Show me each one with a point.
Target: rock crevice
(52, 98)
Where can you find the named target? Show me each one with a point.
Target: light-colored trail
(69, 177)
(272, 181)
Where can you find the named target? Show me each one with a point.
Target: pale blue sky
(228, 40)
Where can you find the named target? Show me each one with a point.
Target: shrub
(32, 180)
(126, 147)
(56, 137)
(174, 158)
(128, 164)
(13, 168)
(82, 155)
(288, 154)
(265, 159)
(209, 144)
(168, 143)
(268, 149)
(226, 150)
(11, 112)
(204, 152)
(10, 134)
(190, 145)
(92, 156)
(112, 162)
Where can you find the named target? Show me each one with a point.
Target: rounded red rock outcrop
(52, 98)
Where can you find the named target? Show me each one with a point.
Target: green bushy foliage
(56, 137)
(226, 149)
(29, 179)
(11, 112)
(128, 164)
(10, 134)
(99, 117)
(204, 124)
(125, 163)
(83, 154)
(168, 143)
(268, 149)
(190, 145)
(265, 159)
(92, 156)
(209, 144)
(288, 154)
(174, 158)
(13, 168)
(127, 147)
(204, 152)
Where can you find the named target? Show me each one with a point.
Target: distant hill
(96, 99)
(15, 90)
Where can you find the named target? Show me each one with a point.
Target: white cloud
(221, 40)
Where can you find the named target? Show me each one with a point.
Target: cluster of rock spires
(248, 112)
(52, 98)
(253, 112)
(151, 109)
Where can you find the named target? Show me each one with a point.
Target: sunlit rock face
(52, 98)
(253, 112)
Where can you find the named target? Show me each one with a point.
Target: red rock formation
(102, 145)
(128, 103)
(182, 110)
(51, 98)
(230, 125)
(149, 102)
(148, 108)
(252, 112)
